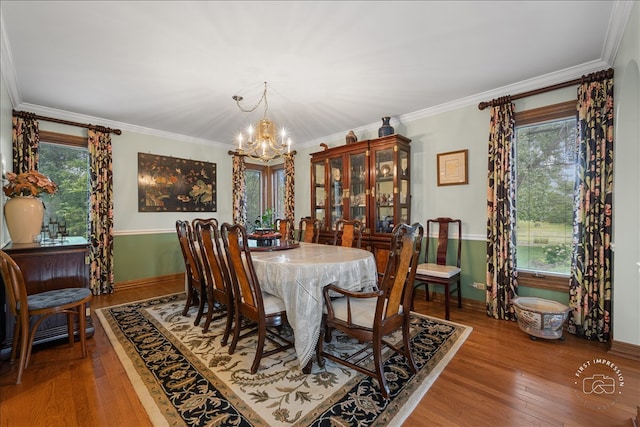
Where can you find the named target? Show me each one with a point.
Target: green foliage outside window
(545, 170)
(68, 167)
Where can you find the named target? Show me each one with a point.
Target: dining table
(298, 276)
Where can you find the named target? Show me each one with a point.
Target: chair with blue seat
(31, 310)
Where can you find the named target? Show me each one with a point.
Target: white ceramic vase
(24, 215)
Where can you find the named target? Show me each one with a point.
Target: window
(265, 190)
(279, 183)
(65, 159)
(545, 176)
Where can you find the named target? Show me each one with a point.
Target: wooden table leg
(307, 368)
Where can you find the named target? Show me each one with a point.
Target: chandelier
(262, 143)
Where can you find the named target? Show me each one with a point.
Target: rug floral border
(432, 340)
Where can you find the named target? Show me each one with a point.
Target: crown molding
(549, 79)
(545, 80)
(617, 23)
(6, 63)
(75, 117)
(523, 86)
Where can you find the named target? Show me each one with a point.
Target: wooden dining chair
(348, 233)
(196, 289)
(31, 310)
(370, 316)
(215, 275)
(263, 311)
(309, 230)
(442, 266)
(286, 227)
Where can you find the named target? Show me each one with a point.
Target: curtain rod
(26, 115)
(598, 75)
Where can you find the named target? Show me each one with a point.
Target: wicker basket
(540, 318)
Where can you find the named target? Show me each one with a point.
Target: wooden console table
(51, 265)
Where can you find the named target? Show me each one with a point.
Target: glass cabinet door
(384, 191)
(319, 194)
(358, 193)
(336, 177)
(404, 196)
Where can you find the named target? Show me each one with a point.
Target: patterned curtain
(289, 187)
(502, 276)
(239, 190)
(26, 142)
(590, 286)
(101, 213)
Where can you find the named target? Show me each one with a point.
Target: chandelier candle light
(262, 143)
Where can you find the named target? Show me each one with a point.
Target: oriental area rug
(185, 378)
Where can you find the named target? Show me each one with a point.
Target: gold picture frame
(452, 168)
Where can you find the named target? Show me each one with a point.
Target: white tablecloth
(297, 276)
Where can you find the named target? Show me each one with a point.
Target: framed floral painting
(168, 184)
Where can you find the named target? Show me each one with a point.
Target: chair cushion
(57, 297)
(272, 304)
(363, 310)
(436, 270)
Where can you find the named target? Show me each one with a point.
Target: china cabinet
(368, 181)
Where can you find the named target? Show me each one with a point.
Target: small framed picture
(452, 168)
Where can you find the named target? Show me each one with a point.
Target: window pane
(279, 182)
(253, 181)
(545, 168)
(68, 167)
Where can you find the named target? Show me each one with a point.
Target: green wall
(140, 256)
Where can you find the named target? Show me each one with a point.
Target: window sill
(559, 283)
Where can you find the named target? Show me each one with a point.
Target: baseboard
(626, 350)
(133, 284)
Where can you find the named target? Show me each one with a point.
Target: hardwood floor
(498, 378)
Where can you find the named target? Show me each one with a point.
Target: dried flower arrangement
(31, 183)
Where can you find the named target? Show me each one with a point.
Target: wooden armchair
(437, 268)
(262, 310)
(196, 289)
(286, 228)
(215, 275)
(370, 316)
(309, 230)
(348, 233)
(31, 310)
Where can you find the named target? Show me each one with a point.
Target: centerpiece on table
(23, 211)
(263, 231)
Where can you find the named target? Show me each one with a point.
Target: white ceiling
(172, 67)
